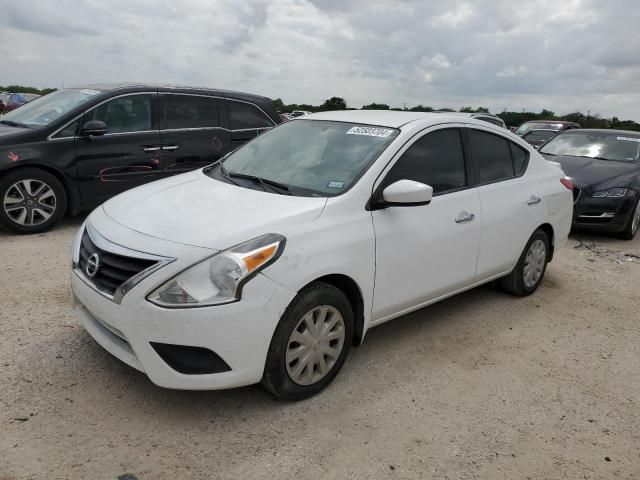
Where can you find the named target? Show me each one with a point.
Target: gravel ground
(482, 385)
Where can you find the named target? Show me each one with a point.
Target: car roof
(628, 133)
(108, 87)
(382, 118)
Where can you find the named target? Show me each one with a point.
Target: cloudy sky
(563, 55)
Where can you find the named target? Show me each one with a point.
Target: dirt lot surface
(480, 386)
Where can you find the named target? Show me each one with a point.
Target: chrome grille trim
(117, 250)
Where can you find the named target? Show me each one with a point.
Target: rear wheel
(31, 201)
(310, 343)
(530, 269)
(633, 223)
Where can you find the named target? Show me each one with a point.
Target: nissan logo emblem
(93, 265)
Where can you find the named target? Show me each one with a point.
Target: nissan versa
(73, 149)
(268, 265)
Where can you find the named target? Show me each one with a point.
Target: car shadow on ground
(107, 377)
(382, 342)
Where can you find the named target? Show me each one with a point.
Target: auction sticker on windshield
(629, 139)
(370, 131)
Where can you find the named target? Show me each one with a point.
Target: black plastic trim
(191, 360)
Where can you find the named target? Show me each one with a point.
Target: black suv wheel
(31, 200)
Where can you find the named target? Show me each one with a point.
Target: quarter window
(436, 159)
(245, 115)
(125, 114)
(520, 158)
(190, 111)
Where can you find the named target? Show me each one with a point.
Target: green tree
(334, 103)
(376, 106)
(421, 108)
(279, 104)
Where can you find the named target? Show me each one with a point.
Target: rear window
(525, 127)
(496, 157)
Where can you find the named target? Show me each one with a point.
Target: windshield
(48, 108)
(604, 145)
(320, 157)
(538, 126)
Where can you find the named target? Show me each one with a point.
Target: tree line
(512, 119)
(22, 89)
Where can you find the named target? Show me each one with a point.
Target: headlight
(219, 279)
(614, 193)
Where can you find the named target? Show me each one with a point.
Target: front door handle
(169, 148)
(150, 149)
(533, 200)
(464, 217)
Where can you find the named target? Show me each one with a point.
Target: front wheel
(631, 228)
(31, 200)
(310, 343)
(530, 269)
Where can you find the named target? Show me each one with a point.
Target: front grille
(113, 270)
(576, 193)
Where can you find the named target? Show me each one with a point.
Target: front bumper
(239, 333)
(602, 214)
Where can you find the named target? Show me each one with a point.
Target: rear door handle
(170, 148)
(464, 217)
(533, 200)
(150, 149)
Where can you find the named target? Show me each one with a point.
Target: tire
(517, 282)
(35, 209)
(287, 375)
(631, 228)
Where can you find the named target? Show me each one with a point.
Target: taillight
(567, 183)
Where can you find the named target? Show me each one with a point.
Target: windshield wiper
(596, 158)
(11, 123)
(225, 174)
(265, 182)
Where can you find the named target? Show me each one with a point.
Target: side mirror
(407, 193)
(94, 128)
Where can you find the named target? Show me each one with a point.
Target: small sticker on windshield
(335, 184)
(90, 92)
(370, 131)
(629, 139)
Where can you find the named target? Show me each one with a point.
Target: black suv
(74, 148)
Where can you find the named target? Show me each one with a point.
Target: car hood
(601, 173)
(194, 209)
(9, 130)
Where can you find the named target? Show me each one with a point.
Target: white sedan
(267, 266)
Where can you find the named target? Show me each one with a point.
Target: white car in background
(269, 265)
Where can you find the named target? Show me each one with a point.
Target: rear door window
(436, 159)
(190, 111)
(496, 158)
(246, 116)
